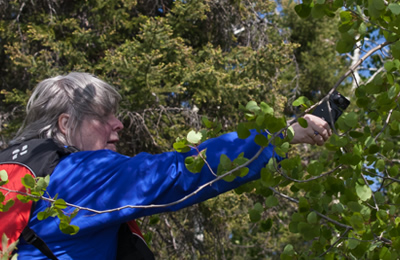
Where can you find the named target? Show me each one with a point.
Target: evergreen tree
(176, 62)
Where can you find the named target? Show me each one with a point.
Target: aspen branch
(336, 242)
(318, 213)
(342, 78)
(312, 178)
(151, 205)
(373, 195)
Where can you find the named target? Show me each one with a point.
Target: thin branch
(374, 75)
(204, 159)
(342, 78)
(336, 242)
(384, 125)
(318, 213)
(373, 195)
(312, 178)
(368, 21)
(152, 205)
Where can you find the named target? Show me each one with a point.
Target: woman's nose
(117, 124)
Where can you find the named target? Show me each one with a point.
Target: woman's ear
(63, 123)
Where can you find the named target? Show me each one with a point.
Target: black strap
(131, 246)
(33, 239)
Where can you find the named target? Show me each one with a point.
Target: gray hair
(77, 94)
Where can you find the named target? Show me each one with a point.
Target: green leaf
(302, 122)
(303, 10)
(252, 106)
(353, 243)
(363, 192)
(385, 254)
(373, 88)
(369, 141)
(242, 172)
(225, 162)
(380, 199)
(350, 119)
(382, 215)
(289, 164)
(389, 65)
(181, 146)
(300, 101)
(362, 29)
(8, 205)
(308, 231)
(74, 213)
(260, 120)
(304, 206)
(378, 4)
(275, 124)
(60, 204)
(393, 91)
(357, 222)
(4, 240)
(266, 109)
(318, 11)
(380, 165)
(346, 16)
(242, 131)
(267, 178)
(315, 168)
(195, 163)
(41, 184)
(338, 141)
(394, 170)
(354, 206)
(289, 250)
(312, 218)
(24, 199)
(258, 207)
(266, 225)
(261, 140)
(68, 229)
(338, 207)
(207, 123)
(395, 48)
(345, 44)
(194, 137)
(48, 212)
(271, 201)
(346, 21)
(290, 132)
(28, 181)
(350, 159)
(356, 134)
(155, 219)
(3, 176)
(255, 215)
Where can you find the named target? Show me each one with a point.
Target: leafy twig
(318, 213)
(312, 178)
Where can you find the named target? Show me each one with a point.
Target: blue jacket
(104, 179)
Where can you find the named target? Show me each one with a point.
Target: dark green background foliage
(175, 62)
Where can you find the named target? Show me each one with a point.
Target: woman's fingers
(317, 131)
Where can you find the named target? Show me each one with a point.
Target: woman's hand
(317, 132)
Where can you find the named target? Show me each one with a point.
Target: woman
(79, 110)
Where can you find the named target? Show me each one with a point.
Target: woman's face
(95, 134)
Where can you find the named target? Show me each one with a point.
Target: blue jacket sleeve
(104, 180)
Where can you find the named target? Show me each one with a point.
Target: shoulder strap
(131, 244)
(33, 239)
(41, 156)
